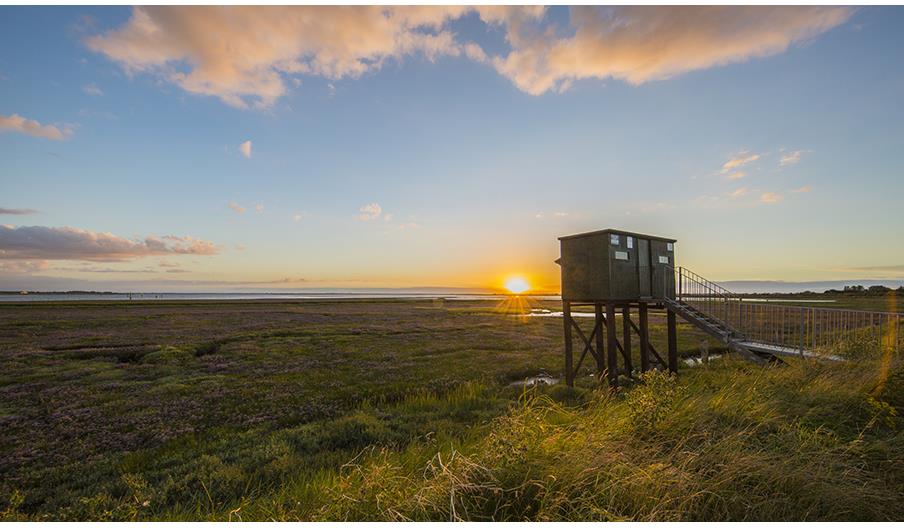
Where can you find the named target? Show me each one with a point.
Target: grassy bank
(404, 411)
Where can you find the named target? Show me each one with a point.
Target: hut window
(630, 241)
(621, 255)
(663, 259)
(614, 240)
(670, 246)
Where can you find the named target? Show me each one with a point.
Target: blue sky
(476, 166)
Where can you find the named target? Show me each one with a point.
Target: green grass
(402, 410)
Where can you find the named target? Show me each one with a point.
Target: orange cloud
(245, 149)
(17, 123)
(240, 53)
(244, 55)
(639, 44)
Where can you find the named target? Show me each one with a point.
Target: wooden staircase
(720, 330)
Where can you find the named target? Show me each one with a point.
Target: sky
(221, 149)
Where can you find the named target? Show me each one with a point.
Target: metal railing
(795, 327)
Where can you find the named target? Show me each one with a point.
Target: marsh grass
(355, 411)
(801, 442)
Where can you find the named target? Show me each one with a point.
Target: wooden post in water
(569, 358)
(673, 341)
(644, 338)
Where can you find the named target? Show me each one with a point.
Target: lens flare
(517, 285)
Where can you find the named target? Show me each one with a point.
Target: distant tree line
(872, 290)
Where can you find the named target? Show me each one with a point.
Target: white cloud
(770, 197)
(92, 89)
(70, 243)
(245, 149)
(560, 214)
(297, 217)
(244, 55)
(370, 212)
(790, 158)
(17, 123)
(236, 207)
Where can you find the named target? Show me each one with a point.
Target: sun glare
(517, 285)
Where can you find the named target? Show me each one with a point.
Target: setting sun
(517, 285)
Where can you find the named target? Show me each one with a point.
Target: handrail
(788, 326)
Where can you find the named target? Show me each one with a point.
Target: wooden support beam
(599, 320)
(649, 345)
(569, 371)
(673, 341)
(644, 338)
(626, 339)
(587, 345)
(611, 344)
(586, 340)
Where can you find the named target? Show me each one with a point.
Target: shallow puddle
(534, 381)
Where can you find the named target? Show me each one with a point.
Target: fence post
(802, 330)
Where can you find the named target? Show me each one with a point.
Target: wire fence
(794, 327)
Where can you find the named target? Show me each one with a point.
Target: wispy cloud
(739, 160)
(297, 217)
(7, 211)
(737, 193)
(557, 214)
(236, 207)
(23, 266)
(92, 89)
(259, 208)
(70, 243)
(371, 211)
(245, 149)
(790, 158)
(17, 123)
(770, 197)
(804, 189)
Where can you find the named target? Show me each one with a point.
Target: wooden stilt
(569, 358)
(673, 341)
(626, 342)
(644, 338)
(611, 344)
(600, 354)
